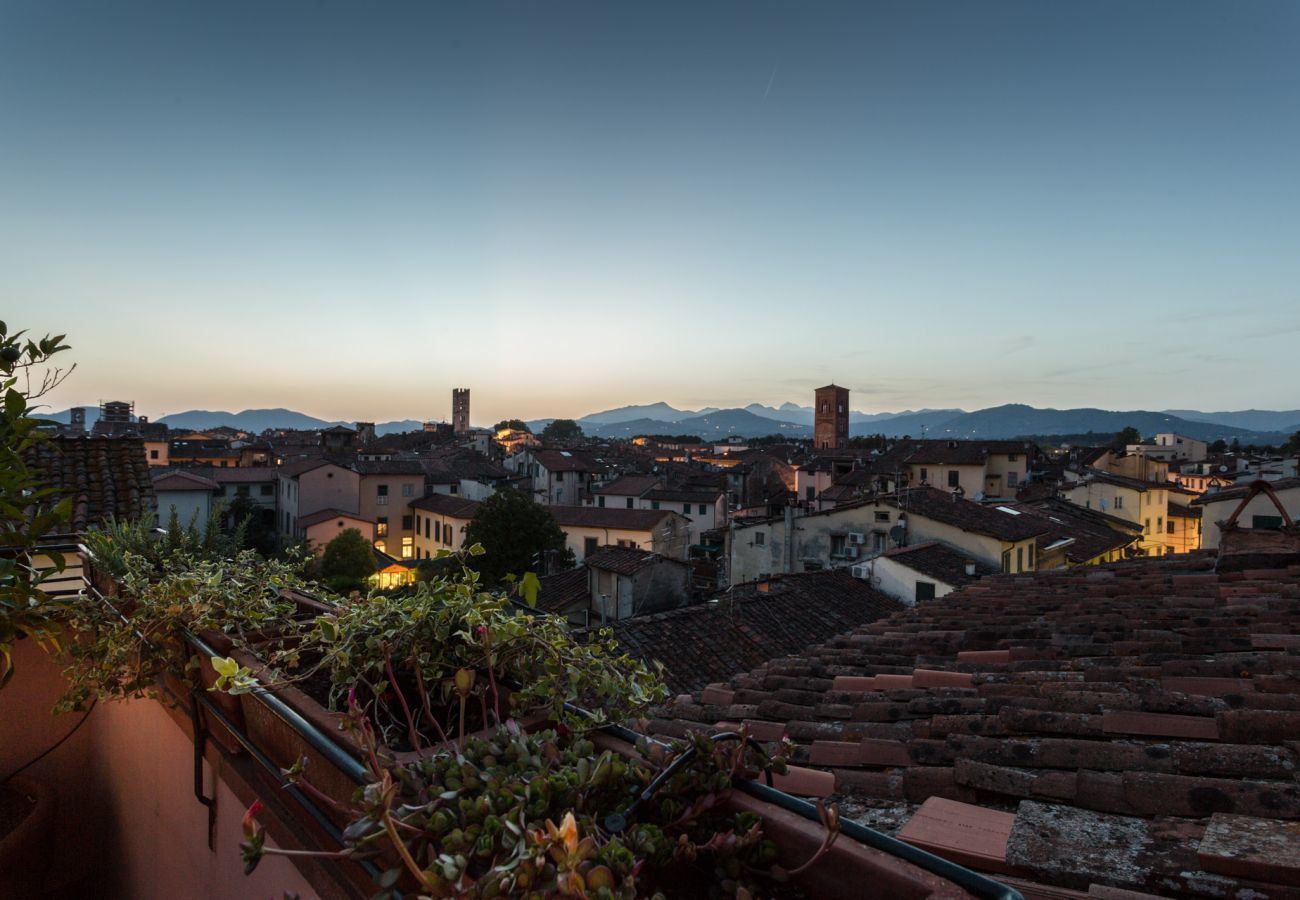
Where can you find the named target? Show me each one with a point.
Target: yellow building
(440, 522)
(1145, 503)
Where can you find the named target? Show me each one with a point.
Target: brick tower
(460, 410)
(831, 417)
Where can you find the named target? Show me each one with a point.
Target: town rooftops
(1090, 533)
(241, 474)
(106, 477)
(566, 461)
(950, 452)
(388, 467)
(447, 505)
(684, 495)
(625, 560)
(180, 480)
(609, 517)
(1000, 521)
(1136, 484)
(325, 515)
(629, 485)
(1240, 491)
(940, 562)
(1127, 727)
(563, 589)
(749, 625)
(302, 466)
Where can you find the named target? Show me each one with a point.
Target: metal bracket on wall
(200, 744)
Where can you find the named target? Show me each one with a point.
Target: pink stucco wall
(128, 823)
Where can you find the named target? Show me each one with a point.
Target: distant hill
(253, 420)
(657, 411)
(711, 426)
(1017, 419)
(1254, 419)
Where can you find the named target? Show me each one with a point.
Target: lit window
(381, 526)
(408, 547)
(381, 546)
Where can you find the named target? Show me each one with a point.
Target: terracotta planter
(285, 746)
(25, 851)
(850, 870)
(223, 645)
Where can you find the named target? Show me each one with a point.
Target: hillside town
(912, 518)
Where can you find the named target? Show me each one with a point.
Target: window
(629, 502)
(153, 454)
(1160, 523)
(654, 504)
(704, 509)
(267, 490)
(954, 478)
(559, 476)
(589, 546)
(600, 501)
(559, 495)
(381, 495)
(381, 546)
(408, 522)
(437, 531)
(810, 492)
(1119, 501)
(1031, 556)
(381, 526)
(1147, 527)
(760, 538)
(408, 490)
(838, 543)
(1020, 559)
(1012, 457)
(630, 545)
(1013, 478)
(925, 474)
(241, 490)
(1269, 523)
(924, 591)
(1171, 526)
(882, 515)
(426, 528)
(1006, 560)
(686, 508)
(408, 547)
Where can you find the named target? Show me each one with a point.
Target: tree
(1219, 446)
(512, 425)
(562, 430)
(247, 520)
(519, 536)
(30, 509)
(348, 562)
(1125, 436)
(1292, 444)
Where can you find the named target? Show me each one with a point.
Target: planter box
(849, 871)
(285, 745)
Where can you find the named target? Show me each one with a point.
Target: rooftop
(749, 625)
(609, 517)
(105, 477)
(940, 562)
(1130, 726)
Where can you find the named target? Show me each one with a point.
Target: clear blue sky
(350, 208)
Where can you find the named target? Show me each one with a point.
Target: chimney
(970, 567)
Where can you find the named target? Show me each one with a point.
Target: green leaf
(225, 666)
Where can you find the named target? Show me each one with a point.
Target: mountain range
(794, 421)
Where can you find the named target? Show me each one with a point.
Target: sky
(350, 208)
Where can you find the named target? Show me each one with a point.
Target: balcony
(145, 798)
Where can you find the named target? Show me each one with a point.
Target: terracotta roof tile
(104, 476)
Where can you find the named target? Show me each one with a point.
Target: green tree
(519, 536)
(30, 510)
(348, 562)
(512, 425)
(1219, 446)
(245, 518)
(562, 430)
(1292, 444)
(1125, 436)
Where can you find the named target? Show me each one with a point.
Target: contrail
(770, 79)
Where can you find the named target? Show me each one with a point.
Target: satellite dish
(897, 534)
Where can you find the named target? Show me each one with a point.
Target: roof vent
(970, 567)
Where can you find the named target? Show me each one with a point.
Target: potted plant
(551, 813)
(430, 667)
